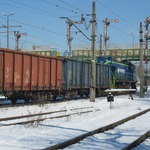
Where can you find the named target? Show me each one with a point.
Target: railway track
(100, 130)
(4, 120)
(7, 105)
(138, 141)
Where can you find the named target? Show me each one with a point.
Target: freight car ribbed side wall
(77, 74)
(22, 71)
(1, 71)
(103, 76)
(86, 74)
(72, 74)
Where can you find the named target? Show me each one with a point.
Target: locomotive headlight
(119, 70)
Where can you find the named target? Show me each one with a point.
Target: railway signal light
(107, 23)
(116, 20)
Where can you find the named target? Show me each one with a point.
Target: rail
(96, 131)
(138, 141)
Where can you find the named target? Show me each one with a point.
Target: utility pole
(141, 62)
(147, 21)
(100, 46)
(8, 26)
(93, 71)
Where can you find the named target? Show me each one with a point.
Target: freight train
(40, 78)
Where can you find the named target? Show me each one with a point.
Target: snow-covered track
(96, 131)
(44, 118)
(137, 141)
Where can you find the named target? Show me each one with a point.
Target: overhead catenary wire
(56, 5)
(73, 7)
(100, 3)
(27, 24)
(37, 10)
(129, 34)
(44, 29)
(116, 28)
(70, 8)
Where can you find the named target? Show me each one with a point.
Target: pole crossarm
(73, 23)
(4, 26)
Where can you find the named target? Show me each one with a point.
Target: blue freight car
(76, 77)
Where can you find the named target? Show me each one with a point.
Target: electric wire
(129, 34)
(116, 14)
(37, 11)
(47, 30)
(58, 6)
(73, 7)
(44, 12)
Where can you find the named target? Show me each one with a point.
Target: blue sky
(40, 19)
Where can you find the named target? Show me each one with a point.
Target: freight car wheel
(32, 100)
(29, 99)
(87, 95)
(26, 100)
(54, 97)
(14, 100)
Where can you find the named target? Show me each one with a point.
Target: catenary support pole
(146, 55)
(93, 71)
(141, 62)
(100, 42)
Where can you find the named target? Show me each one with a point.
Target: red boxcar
(24, 75)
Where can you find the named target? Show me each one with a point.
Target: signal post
(107, 23)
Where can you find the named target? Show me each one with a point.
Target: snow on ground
(117, 138)
(50, 132)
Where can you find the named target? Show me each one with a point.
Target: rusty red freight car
(25, 75)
